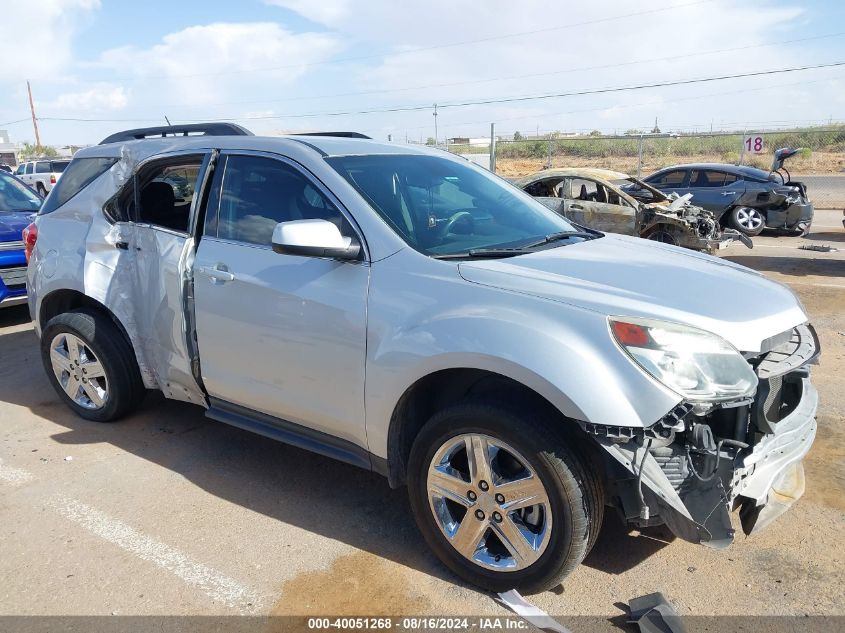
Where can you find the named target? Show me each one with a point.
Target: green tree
(430, 141)
(517, 136)
(30, 151)
(633, 132)
(595, 133)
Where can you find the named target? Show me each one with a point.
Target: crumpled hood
(626, 276)
(12, 223)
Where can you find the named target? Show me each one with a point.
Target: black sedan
(745, 198)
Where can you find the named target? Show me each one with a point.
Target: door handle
(729, 193)
(217, 273)
(577, 207)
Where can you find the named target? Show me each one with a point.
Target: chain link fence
(820, 164)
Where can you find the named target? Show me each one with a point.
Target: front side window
(166, 192)
(668, 180)
(258, 193)
(15, 196)
(444, 207)
(20, 169)
(79, 174)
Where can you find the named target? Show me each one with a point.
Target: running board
(289, 433)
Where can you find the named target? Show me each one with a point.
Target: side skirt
(295, 435)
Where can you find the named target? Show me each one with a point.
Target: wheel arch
(445, 387)
(66, 300)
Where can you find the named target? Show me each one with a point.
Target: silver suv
(403, 310)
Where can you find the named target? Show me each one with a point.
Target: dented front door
(585, 204)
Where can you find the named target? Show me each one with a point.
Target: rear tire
(41, 189)
(747, 220)
(111, 386)
(566, 519)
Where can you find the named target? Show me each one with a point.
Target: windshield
(15, 196)
(638, 188)
(445, 207)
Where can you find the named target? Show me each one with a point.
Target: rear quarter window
(80, 173)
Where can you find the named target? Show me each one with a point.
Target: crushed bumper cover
(766, 480)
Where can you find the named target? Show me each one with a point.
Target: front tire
(505, 503)
(91, 365)
(746, 220)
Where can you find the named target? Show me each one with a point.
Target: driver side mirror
(314, 238)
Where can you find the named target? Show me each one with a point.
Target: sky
(378, 66)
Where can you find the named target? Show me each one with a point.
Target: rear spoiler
(168, 131)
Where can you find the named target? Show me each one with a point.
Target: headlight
(698, 365)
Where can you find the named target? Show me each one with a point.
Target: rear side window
(42, 167)
(707, 178)
(166, 193)
(79, 174)
(28, 168)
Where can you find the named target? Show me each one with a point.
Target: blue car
(18, 204)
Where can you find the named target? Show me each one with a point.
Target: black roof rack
(166, 131)
(339, 134)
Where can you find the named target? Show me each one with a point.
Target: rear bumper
(798, 216)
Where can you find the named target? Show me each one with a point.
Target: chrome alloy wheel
(489, 503)
(78, 371)
(750, 219)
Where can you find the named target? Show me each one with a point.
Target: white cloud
(211, 62)
(39, 36)
(327, 12)
(99, 98)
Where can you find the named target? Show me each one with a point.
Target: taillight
(30, 236)
(52, 179)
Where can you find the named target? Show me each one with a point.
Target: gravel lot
(170, 513)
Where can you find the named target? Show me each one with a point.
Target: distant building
(466, 140)
(8, 150)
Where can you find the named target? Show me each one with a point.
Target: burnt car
(744, 198)
(597, 199)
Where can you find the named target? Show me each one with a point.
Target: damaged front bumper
(691, 471)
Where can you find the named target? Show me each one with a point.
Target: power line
(511, 77)
(522, 98)
(410, 51)
(627, 106)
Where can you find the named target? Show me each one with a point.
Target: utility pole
(493, 147)
(435, 125)
(34, 120)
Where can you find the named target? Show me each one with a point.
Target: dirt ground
(817, 163)
(168, 512)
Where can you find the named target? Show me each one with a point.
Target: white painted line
(810, 283)
(14, 476)
(217, 586)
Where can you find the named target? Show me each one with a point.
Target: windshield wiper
(485, 252)
(563, 235)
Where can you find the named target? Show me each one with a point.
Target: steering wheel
(457, 218)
